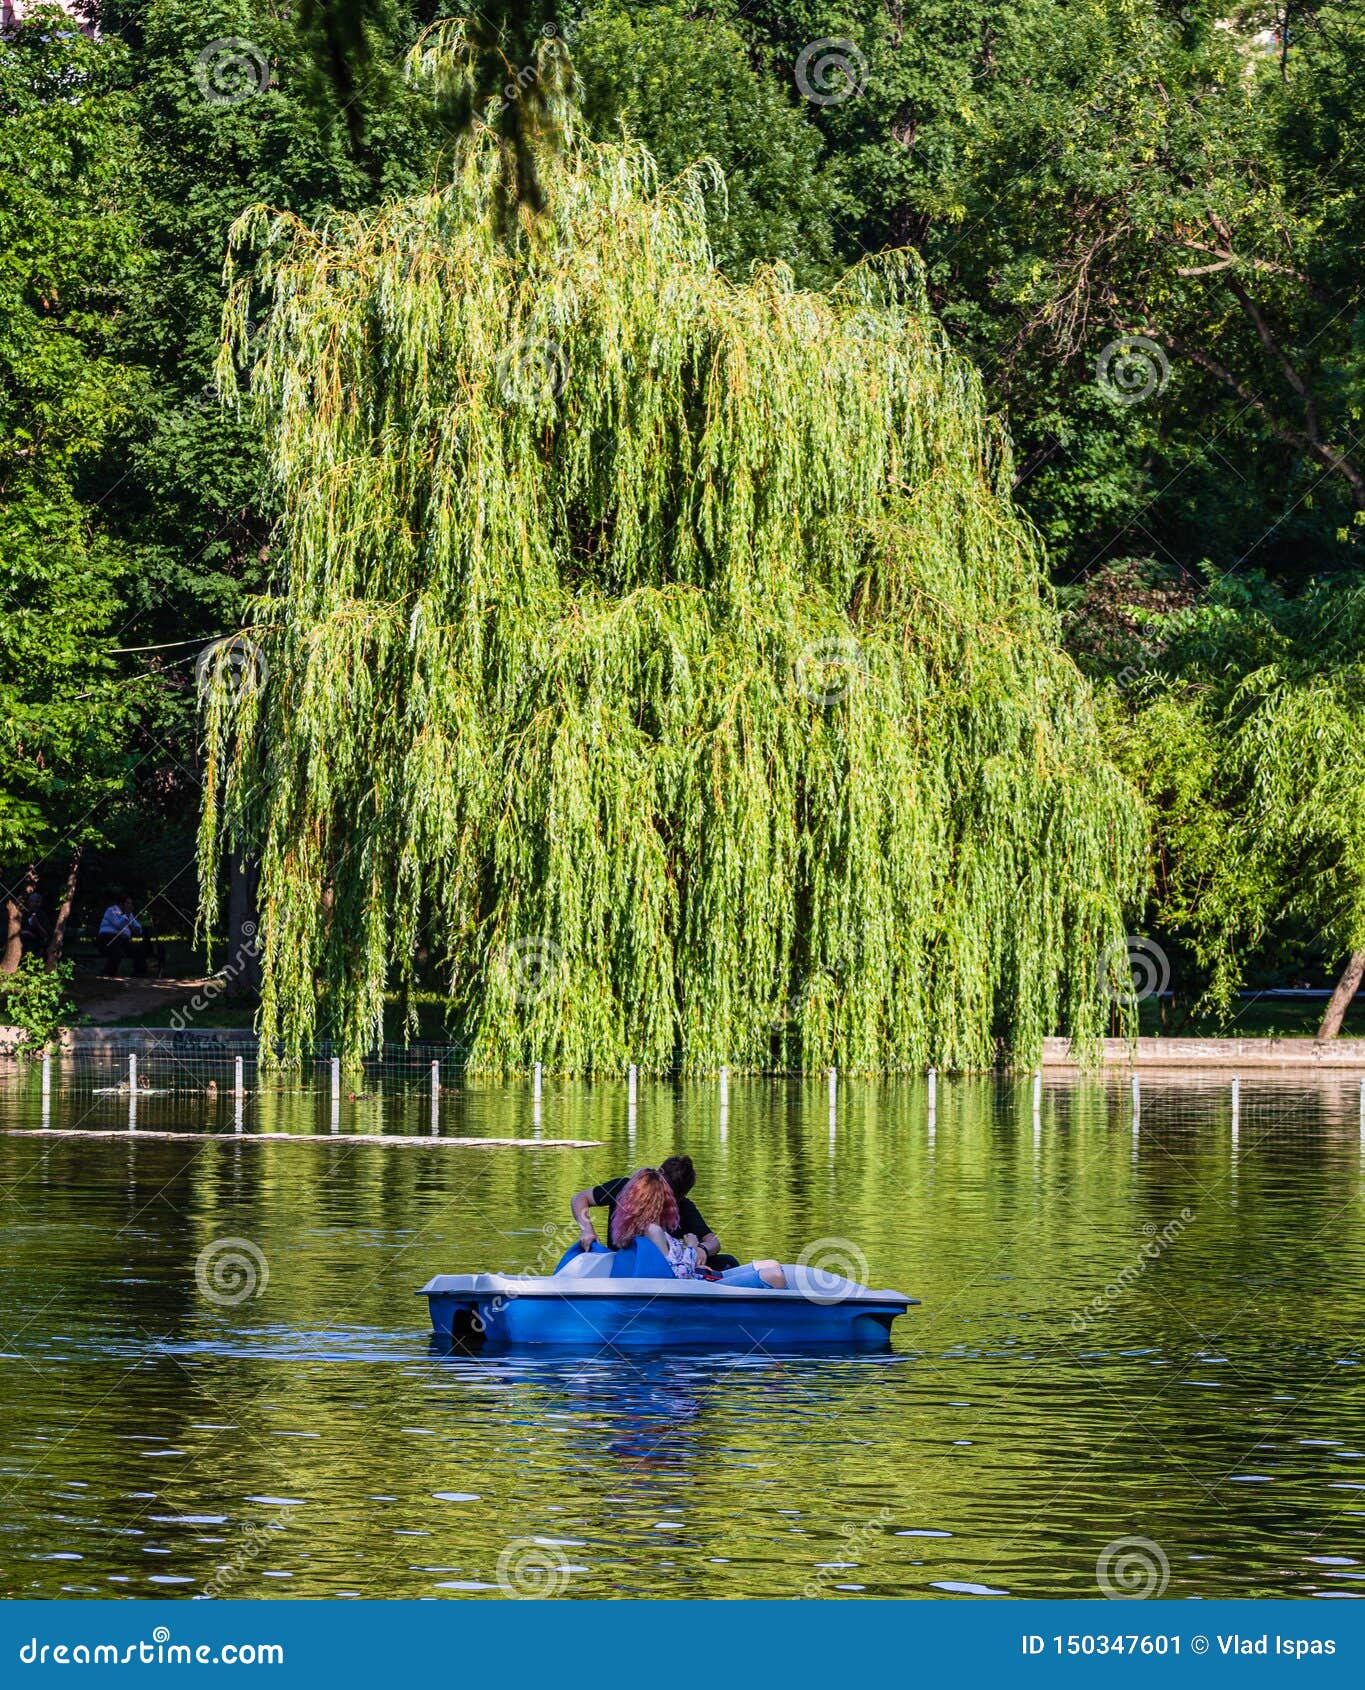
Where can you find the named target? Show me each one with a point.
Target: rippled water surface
(1152, 1335)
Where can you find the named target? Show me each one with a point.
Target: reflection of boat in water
(629, 1299)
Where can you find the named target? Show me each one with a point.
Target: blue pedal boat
(629, 1299)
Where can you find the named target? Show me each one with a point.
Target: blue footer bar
(828, 1643)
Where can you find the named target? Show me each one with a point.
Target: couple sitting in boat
(654, 1204)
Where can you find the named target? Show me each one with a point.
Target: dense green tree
(1081, 173)
(1245, 734)
(69, 261)
(684, 82)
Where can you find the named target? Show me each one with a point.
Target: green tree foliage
(1077, 174)
(37, 1000)
(1246, 737)
(68, 261)
(664, 652)
(685, 84)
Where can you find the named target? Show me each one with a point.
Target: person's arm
(134, 925)
(581, 1202)
(695, 1221)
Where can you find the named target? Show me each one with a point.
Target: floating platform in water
(116, 1134)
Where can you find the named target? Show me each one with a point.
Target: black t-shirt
(690, 1217)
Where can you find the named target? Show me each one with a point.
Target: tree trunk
(15, 897)
(63, 915)
(14, 941)
(244, 941)
(1341, 998)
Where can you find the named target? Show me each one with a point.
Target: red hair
(647, 1200)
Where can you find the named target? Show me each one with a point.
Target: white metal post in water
(1362, 1111)
(1236, 1107)
(132, 1091)
(435, 1080)
(336, 1076)
(1037, 1090)
(630, 1085)
(237, 1113)
(933, 1090)
(132, 1070)
(535, 1082)
(47, 1089)
(237, 1085)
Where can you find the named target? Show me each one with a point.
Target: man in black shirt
(682, 1176)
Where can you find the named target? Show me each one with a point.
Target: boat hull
(653, 1315)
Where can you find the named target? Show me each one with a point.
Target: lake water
(1151, 1336)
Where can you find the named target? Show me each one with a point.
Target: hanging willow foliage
(663, 655)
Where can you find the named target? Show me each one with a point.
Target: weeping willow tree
(660, 657)
(1246, 735)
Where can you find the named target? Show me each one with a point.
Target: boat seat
(641, 1260)
(585, 1264)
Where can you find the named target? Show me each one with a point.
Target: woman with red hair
(648, 1209)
